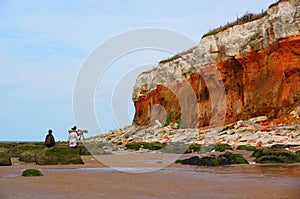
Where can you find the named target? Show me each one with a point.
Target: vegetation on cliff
(179, 55)
(247, 17)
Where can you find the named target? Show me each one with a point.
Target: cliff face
(244, 71)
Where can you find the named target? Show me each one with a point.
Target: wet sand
(95, 180)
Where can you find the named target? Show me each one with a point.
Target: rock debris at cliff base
(254, 132)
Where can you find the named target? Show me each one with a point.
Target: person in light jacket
(73, 139)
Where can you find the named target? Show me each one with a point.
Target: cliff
(244, 71)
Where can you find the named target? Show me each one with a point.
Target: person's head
(50, 131)
(74, 128)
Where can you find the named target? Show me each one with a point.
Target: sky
(44, 43)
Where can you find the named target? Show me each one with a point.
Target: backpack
(49, 141)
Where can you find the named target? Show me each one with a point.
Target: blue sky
(43, 43)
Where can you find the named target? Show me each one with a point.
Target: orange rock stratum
(248, 70)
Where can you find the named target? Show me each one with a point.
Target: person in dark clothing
(49, 140)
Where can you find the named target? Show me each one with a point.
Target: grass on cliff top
(248, 17)
(177, 56)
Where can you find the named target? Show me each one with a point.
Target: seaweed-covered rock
(133, 146)
(27, 156)
(4, 159)
(232, 158)
(283, 146)
(17, 150)
(247, 148)
(194, 148)
(222, 147)
(275, 155)
(195, 160)
(31, 172)
(8, 145)
(153, 146)
(212, 160)
(146, 145)
(4, 150)
(209, 160)
(58, 155)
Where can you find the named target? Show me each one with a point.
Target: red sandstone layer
(264, 82)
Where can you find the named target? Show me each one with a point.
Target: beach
(95, 180)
